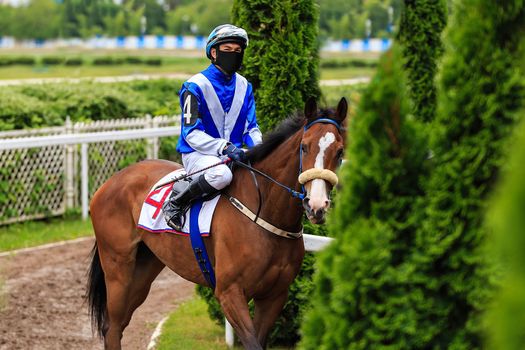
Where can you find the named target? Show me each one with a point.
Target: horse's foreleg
(118, 272)
(235, 308)
(266, 312)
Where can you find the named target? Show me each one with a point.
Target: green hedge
(346, 62)
(78, 61)
(33, 106)
(53, 61)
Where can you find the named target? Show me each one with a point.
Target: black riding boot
(175, 207)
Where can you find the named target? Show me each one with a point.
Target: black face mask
(230, 62)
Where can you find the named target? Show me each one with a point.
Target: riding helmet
(226, 33)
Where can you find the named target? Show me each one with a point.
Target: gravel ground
(43, 305)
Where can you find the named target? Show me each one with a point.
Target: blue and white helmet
(226, 33)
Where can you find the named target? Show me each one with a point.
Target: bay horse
(249, 261)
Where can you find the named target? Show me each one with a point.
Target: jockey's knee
(220, 177)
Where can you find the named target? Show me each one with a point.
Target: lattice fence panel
(106, 158)
(31, 183)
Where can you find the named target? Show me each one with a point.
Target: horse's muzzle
(315, 216)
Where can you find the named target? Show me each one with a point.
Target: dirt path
(44, 308)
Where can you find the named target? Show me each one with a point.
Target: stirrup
(182, 219)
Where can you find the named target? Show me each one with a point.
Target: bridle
(304, 176)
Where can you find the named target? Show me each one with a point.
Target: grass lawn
(88, 71)
(190, 327)
(34, 233)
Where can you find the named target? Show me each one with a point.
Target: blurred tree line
(45, 19)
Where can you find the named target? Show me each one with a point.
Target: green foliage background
(45, 19)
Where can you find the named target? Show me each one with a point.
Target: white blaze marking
(318, 196)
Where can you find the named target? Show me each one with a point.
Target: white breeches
(219, 176)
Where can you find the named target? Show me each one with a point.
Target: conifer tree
(481, 91)
(506, 244)
(420, 30)
(361, 298)
(282, 59)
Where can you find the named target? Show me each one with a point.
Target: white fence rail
(39, 169)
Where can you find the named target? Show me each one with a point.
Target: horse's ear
(310, 109)
(342, 110)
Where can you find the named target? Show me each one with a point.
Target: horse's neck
(278, 206)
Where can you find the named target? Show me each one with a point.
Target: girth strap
(261, 222)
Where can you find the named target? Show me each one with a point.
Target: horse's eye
(340, 156)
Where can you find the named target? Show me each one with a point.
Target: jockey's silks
(226, 113)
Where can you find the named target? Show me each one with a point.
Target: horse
(249, 261)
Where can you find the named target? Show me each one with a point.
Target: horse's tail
(96, 293)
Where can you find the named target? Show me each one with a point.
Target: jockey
(218, 117)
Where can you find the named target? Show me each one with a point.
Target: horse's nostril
(306, 202)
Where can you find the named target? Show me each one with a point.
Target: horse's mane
(282, 132)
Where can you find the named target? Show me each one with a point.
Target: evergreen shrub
(23, 61)
(506, 219)
(134, 60)
(153, 61)
(73, 61)
(282, 59)
(480, 93)
(420, 30)
(361, 298)
(104, 61)
(52, 60)
(344, 63)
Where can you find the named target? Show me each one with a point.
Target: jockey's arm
(252, 136)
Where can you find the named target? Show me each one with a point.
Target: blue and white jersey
(217, 109)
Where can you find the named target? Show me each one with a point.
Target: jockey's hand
(234, 153)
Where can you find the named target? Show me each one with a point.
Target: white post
(149, 141)
(85, 180)
(155, 140)
(229, 335)
(70, 168)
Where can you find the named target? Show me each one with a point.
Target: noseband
(315, 173)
